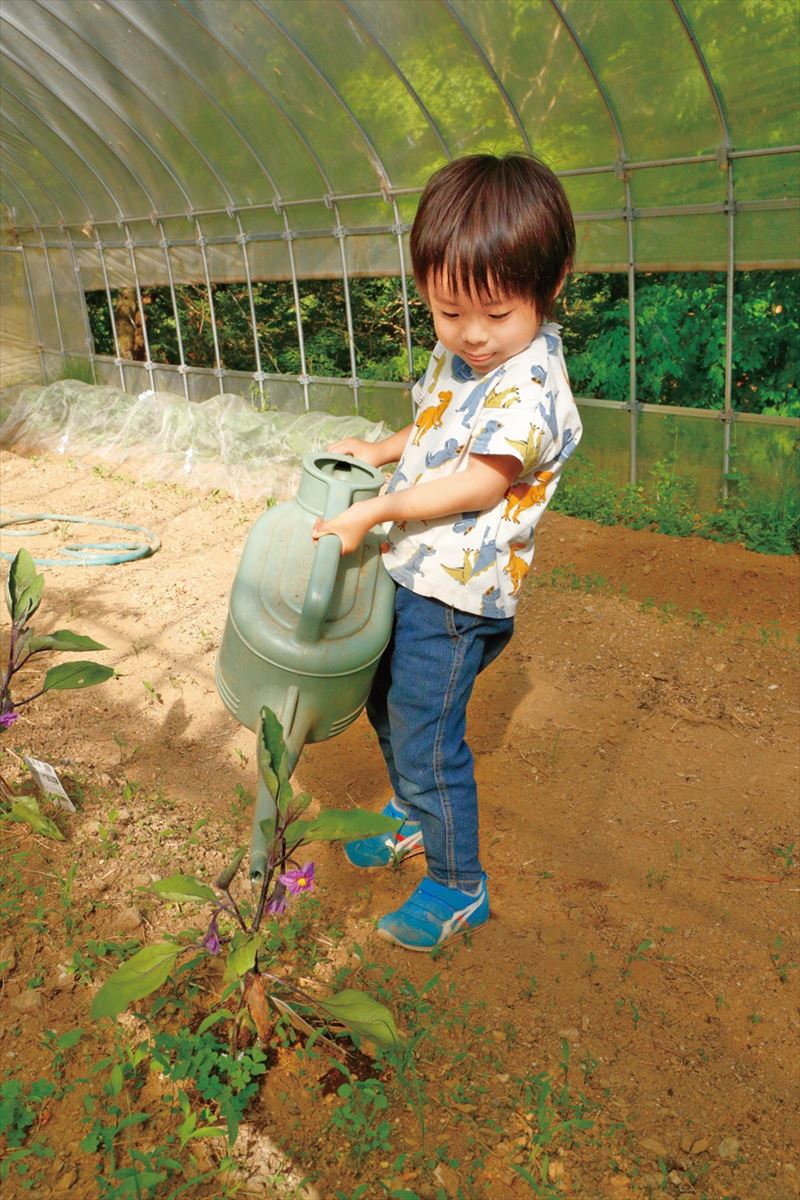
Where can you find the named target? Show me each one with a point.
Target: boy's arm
(480, 486)
(377, 454)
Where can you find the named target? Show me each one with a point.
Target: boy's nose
(474, 334)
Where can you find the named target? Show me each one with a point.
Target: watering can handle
(325, 566)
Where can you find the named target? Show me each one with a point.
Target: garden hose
(76, 554)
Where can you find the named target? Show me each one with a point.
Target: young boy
(495, 421)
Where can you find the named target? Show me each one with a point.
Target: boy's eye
(500, 316)
(451, 316)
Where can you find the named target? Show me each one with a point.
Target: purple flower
(278, 901)
(300, 881)
(211, 940)
(7, 719)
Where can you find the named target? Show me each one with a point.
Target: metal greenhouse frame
(150, 144)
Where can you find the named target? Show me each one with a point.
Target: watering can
(306, 624)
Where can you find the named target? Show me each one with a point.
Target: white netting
(219, 443)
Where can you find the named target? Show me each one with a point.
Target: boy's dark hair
(495, 224)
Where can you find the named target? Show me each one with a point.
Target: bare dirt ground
(637, 756)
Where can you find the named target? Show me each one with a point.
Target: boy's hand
(351, 526)
(357, 448)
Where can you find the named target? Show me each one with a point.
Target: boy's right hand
(358, 448)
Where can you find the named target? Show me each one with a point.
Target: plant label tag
(49, 782)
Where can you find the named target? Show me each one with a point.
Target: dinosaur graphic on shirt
(528, 449)
(489, 603)
(516, 568)
(449, 451)
(501, 399)
(538, 375)
(549, 413)
(475, 561)
(477, 396)
(406, 572)
(481, 443)
(466, 522)
(437, 370)
(395, 481)
(431, 417)
(524, 495)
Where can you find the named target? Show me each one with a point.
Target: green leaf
(26, 809)
(241, 957)
(225, 878)
(183, 888)
(64, 639)
(142, 974)
(363, 1015)
(341, 824)
(75, 675)
(301, 802)
(272, 757)
(285, 797)
(222, 1014)
(24, 588)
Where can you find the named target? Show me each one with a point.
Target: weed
(363, 1116)
(786, 854)
(20, 1109)
(665, 502)
(640, 954)
(152, 691)
(224, 1080)
(85, 963)
(60, 1046)
(782, 966)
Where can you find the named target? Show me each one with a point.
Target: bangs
(490, 225)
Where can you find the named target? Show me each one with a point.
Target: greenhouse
(211, 344)
(152, 145)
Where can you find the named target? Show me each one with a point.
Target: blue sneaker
(433, 915)
(386, 848)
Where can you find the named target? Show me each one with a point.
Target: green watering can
(306, 624)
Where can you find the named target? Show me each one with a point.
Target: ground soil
(636, 753)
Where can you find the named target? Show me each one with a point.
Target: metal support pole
(182, 368)
(289, 237)
(148, 366)
(341, 233)
(201, 241)
(398, 228)
(112, 315)
(259, 374)
(84, 310)
(632, 388)
(728, 418)
(34, 313)
(54, 298)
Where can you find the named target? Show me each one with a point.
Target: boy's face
(484, 330)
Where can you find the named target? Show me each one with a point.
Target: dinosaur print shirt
(477, 561)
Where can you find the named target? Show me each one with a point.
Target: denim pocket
(460, 622)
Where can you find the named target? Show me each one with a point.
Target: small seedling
(786, 854)
(782, 966)
(151, 690)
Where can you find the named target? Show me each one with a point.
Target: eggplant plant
(242, 927)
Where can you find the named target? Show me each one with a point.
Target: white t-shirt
(477, 561)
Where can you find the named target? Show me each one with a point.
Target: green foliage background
(680, 333)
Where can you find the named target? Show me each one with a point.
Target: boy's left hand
(351, 526)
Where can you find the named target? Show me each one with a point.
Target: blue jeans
(418, 708)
